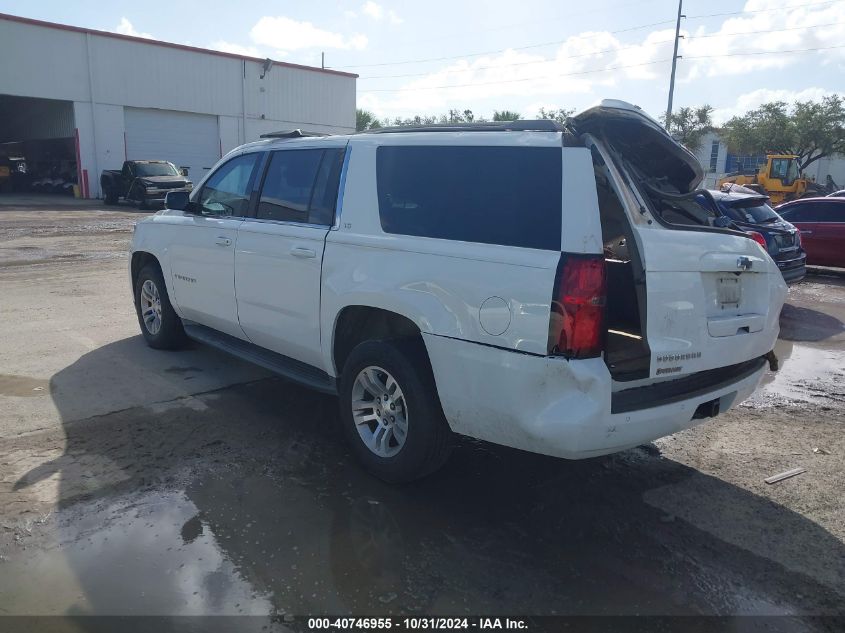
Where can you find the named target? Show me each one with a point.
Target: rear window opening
(627, 353)
(661, 176)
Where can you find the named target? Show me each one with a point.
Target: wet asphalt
(242, 499)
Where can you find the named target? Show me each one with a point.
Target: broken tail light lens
(576, 328)
(758, 237)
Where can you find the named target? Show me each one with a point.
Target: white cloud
(125, 28)
(283, 32)
(237, 49)
(765, 33)
(378, 12)
(591, 62)
(375, 11)
(756, 98)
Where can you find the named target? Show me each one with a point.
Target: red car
(822, 225)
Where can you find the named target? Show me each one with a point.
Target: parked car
(752, 213)
(554, 288)
(143, 182)
(822, 225)
(836, 194)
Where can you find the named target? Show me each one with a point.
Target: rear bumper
(794, 269)
(560, 408)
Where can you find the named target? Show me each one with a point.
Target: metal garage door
(184, 138)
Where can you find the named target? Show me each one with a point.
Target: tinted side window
(493, 195)
(794, 213)
(832, 212)
(324, 200)
(227, 190)
(288, 184)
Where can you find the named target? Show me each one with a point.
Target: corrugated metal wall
(100, 75)
(28, 119)
(146, 75)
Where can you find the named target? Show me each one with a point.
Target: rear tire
(160, 325)
(419, 439)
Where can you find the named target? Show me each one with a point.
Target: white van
(554, 288)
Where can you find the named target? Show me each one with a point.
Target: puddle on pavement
(23, 386)
(806, 374)
(131, 559)
(335, 541)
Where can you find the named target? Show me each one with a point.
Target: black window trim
(264, 168)
(196, 194)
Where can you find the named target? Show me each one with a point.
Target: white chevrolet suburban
(554, 288)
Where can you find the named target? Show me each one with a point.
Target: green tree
(809, 129)
(506, 115)
(365, 120)
(560, 115)
(689, 125)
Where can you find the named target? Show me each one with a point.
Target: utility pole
(323, 59)
(675, 58)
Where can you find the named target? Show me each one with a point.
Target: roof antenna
(266, 65)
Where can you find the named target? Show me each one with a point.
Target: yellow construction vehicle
(779, 178)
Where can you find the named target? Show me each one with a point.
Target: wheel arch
(141, 259)
(357, 323)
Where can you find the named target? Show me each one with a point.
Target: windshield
(786, 169)
(755, 212)
(156, 169)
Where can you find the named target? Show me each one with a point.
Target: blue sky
(427, 57)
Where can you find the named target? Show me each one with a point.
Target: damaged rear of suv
(665, 320)
(554, 288)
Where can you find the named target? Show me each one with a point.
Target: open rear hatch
(706, 297)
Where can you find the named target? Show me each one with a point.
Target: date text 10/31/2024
(416, 623)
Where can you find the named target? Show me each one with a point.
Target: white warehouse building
(82, 101)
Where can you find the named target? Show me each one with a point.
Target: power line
(513, 25)
(500, 50)
(791, 6)
(793, 50)
(608, 69)
(508, 81)
(791, 28)
(626, 30)
(536, 61)
(603, 51)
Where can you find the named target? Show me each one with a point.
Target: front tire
(160, 325)
(390, 410)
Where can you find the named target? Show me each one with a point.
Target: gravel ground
(134, 481)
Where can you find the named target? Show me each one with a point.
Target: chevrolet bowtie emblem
(744, 263)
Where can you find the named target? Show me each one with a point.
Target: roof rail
(538, 125)
(297, 133)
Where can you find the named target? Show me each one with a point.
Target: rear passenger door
(280, 251)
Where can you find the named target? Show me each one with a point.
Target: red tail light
(576, 329)
(758, 237)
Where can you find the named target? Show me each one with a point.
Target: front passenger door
(202, 249)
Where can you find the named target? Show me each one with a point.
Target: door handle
(222, 240)
(299, 251)
(806, 232)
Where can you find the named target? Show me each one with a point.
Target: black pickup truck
(143, 182)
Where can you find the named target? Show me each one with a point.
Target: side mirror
(183, 171)
(177, 200)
